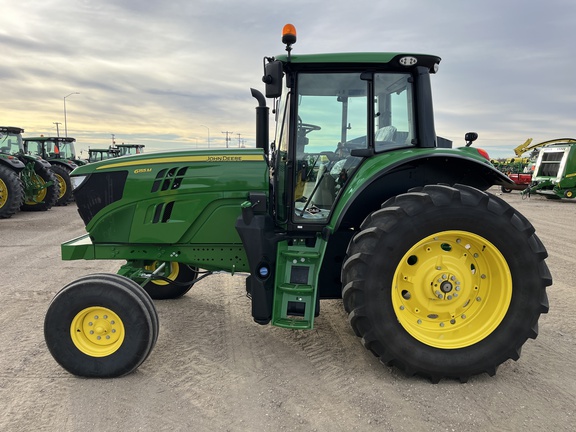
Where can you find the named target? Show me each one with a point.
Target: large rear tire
(65, 185)
(100, 326)
(445, 282)
(11, 192)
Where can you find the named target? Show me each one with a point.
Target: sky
(171, 74)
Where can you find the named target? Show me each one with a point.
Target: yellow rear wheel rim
(3, 193)
(62, 184)
(452, 289)
(97, 331)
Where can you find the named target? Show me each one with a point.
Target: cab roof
(43, 138)
(394, 59)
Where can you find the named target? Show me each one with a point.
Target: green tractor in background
(356, 198)
(95, 155)
(55, 150)
(39, 189)
(129, 149)
(11, 187)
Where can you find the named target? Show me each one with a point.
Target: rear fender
(372, 185)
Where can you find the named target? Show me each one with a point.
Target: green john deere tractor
(356, 198)
(11, 187)
(39, 188)
(55, 150)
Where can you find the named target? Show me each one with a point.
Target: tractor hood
(146, 198)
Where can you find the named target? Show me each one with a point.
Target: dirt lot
(214, 369)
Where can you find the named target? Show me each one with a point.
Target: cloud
(154, 69)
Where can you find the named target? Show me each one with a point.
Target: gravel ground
(214, 369)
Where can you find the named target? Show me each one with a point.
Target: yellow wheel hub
(451, 289)
(97, 331)
(171, 273)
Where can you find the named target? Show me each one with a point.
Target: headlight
(77, 180)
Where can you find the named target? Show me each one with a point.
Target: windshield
(10, 143)
(66, 150)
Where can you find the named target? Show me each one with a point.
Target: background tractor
(11, 187)
(129, 149)
(95, 155)
(356, 198)
(55, 150)
(40, 186)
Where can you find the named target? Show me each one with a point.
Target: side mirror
(470, 137)
(273, 74)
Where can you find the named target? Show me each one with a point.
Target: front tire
(98, 326)
(445, 282)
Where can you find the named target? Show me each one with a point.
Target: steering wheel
(306, 128)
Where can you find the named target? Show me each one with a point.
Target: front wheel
(100, 326)
(445, 282)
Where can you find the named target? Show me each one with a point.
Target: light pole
(208, 134)
(65, 124)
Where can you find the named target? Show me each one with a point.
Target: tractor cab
(336, 111)
(52, 148)
(95, 155)
(11, 140)
(129, 149)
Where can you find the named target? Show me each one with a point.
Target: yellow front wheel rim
(97, 331)
(451, 289)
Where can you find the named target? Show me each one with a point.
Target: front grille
(98, 191)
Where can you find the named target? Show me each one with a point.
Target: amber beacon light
(289, 34)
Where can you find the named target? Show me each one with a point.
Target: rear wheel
(65, 185)
(173, 282)
(445, 282)
(11, 192)
(98, 326)
(41, 189)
